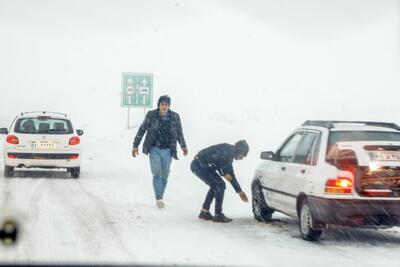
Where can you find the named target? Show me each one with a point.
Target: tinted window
(286, 152)
(43, 126)
(342, 136)
(304, 149)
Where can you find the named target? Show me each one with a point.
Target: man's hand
(135, 152)
(243, 196)
(228, 177)
(185, 151)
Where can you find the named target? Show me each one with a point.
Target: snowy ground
(109, 216)
(234, 69)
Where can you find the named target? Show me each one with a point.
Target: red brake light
(74, 140)
(74, 156)
(12, 139)
(12, 155)
(340, 185)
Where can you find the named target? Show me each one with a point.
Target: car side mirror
(3, 131)
(79, 132)
(267, 155)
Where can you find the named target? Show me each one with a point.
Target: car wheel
(307, 223)
(9, 232)
(262, 212)
(75, 172)
(8, 171)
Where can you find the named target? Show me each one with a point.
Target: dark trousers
(214, 181)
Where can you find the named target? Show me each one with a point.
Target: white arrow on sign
(144, 81)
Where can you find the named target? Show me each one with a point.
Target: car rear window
(43, 125)
(344, 136)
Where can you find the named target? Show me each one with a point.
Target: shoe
(160, 203)
(221, 218)
(206, 215)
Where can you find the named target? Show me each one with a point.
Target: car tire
(8, 171)
(75, 172)
(307, 223)
(262, 212)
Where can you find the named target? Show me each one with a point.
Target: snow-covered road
(108, 216)
(251, 70)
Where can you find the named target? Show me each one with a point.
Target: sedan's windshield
(345, 136)
(43, 126)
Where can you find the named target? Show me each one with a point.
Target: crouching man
(210, 165)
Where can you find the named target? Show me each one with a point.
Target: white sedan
(42, 140)
(332, 172)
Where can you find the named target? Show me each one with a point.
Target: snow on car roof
(360, 127)
(351, 126)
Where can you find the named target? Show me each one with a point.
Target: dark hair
(241, 148)
(164, 98)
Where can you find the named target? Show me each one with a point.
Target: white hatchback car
(42, 140)
(332, 172)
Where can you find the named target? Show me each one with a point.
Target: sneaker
(221, 218)
(206, 216)
(160, 203)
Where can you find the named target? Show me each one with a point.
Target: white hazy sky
(251, 64)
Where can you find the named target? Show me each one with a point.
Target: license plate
(43, 145)
(384, 156)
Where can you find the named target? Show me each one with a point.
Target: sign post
(137, 91)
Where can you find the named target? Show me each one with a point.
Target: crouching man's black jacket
(220, 158)
(151, 125)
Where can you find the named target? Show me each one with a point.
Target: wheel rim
(305, 219)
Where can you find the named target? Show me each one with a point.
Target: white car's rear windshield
(43, 125)
(345, 136)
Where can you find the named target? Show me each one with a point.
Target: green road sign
(137, 90)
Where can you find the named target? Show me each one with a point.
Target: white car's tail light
(12, 155)
(74, 141)
(74, 156)
(12, 139)
(340, 185)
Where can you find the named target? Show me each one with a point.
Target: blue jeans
(160, 163)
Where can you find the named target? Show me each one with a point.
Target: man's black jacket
(151, 125)
(220, 158)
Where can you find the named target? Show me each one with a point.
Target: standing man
(164, 129)
(212, 163)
